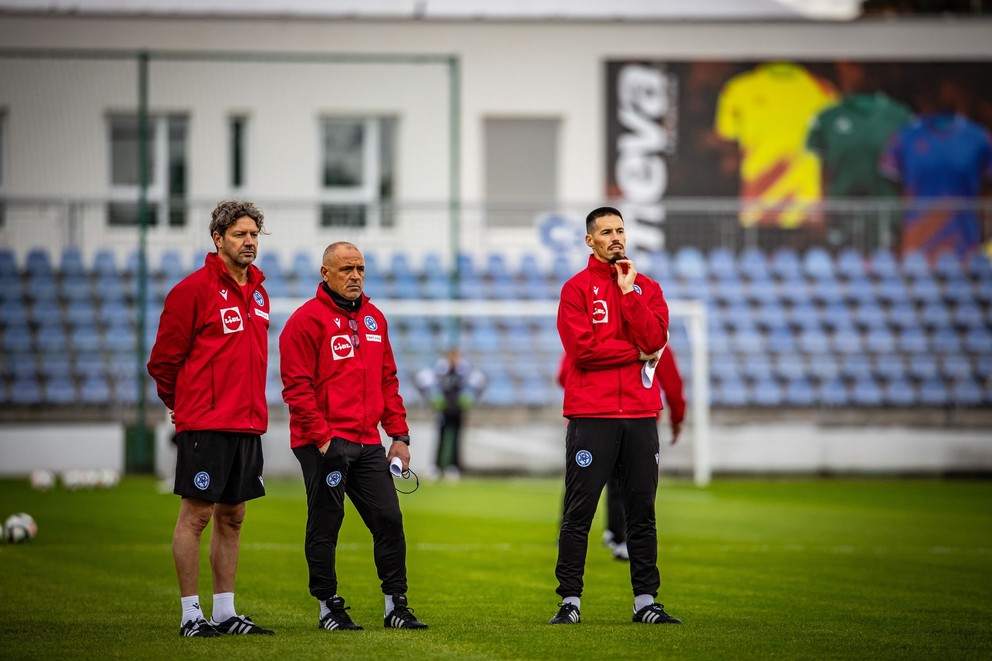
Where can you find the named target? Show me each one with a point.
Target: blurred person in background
(613, 325)
(339, 381)
(209, 363)
(452, 387)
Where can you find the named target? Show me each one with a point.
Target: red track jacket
(211, 354)
(332, 387)
(602, 331)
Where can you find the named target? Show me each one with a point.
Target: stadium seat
(690, 264)
(757, 367)
(966, 391)
(753, 265)
(38, 264)
(20, 365)
(933, 392)
(659, 267)
(880, 340)
(935, 315)
(8, 264)
(925, 290)
(11, 290)
(817, 264)
(120, 339)
(52, 339)
(898, 392)
(890, 366)
(84, 339)
(860, 290)
(747, 341)
(763, 291)
(697, 290)
(270, 265)
(882, 264)
(961, 291)
(813, 341)
(786, 265)
(978, 266)
(15, 313)
(732, 392)
(105, 264)
(978, 341)
(95, 390)
(89, 365)
(26, 391)
(172, 266)
(850, 265)
(18, 338)
(305, 267)
(948, 266)
(805, 316)
(868, 316)
(913, 340)
(915, 266)
(955, 366)
(922, 366)
(55, 366)
(721, 264)
(946, 340)
(968, 316)
(46, 314)
(892, 290)
(827, 291)
(865, 392)
(724, 367)
(795, 291)
(60, 392)
(766, 392)
(75, 288)
(790, 366)
(799, 392)
(71, 264)
(837, 315)
(853, 367)
(902, 316)
(499, 392)
(781, 340)
(41, 289)
(728, 291)
(824, 366)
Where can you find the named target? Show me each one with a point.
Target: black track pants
(595, 449)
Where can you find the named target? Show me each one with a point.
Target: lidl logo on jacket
(232, 321)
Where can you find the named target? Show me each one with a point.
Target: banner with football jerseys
(783, 136)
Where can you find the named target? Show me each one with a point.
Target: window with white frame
(358, 171)
(166, 164)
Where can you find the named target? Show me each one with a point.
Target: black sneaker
(337, 617)
(567, 614)
(655, 614)
(401, 617)
(198, 628)
(239, 625)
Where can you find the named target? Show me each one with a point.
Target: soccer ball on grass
(19, 528)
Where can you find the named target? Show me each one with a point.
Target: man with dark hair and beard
(613, 324)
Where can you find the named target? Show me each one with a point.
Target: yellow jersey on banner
(767, 111)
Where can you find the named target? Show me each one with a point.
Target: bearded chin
(617, 257)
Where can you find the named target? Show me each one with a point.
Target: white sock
(572, 600)
(389, 604)
(642, 600)
(223, 607)
(324, 610)
(191, 609)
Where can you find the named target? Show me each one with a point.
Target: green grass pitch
(757, 569)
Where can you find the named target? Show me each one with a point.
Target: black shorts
(218, 466)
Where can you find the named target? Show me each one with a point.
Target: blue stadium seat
(925, 290)
(270, 265)
(978, 341)
(120, 339)
(969, 316)
(89, 365)
(836, 316)
(41, 289)
(898, 392)
(109, 288)
(562, 270)
(60, 392)
(46, 314)
(805, 316)
(728, 291)
(868, 316)
(51, 339)
(85, 339)
(8, 264)
(823, 366)
(902, 316)
(732, 392)
(698, 289)
(55, 366)
(114, 312)
(883, 265)
(960, 290)
(747, 341)
(892, 290)
(75, 288)
(847, 340)
(535, 391)
(71, 264)
(948, 266)
(18, 338)
(916, 266)
(11, 290)
(860, 291)
(690, 264)
(15, 313)
(753, 264)
(786, 265)
(757, 367)
(305, 267)
(38, 263)
(827, 291)
(763, 291)
(955, 366)
(913, 340)
(722, 265)
(880, 340)
(935, 315)
(865, 392)
(95, 390)
(790, 366)
(172, 266)
(946, 340)
(978, 266)
(890, 366)
(795, 291)
(855, 367)
(850, 265)
(813, 341)
(723, 366)
(817, 264)
(966, 392)
(781, 340)
(26, 391)
(933, 392)
(922, 366)
(718, 339)
(499, 392)
(766, 392)
(799, 392)
(659, 267)
(20, 365)
(105, 264)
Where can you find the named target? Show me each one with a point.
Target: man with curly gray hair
(209, 363)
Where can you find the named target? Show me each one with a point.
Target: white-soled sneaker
(401, 617)
(655, 614)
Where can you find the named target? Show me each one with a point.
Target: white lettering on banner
(373, 338)
(645, 114)
(262, 314)
(231, 320)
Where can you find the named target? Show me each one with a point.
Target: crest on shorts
(202, 480)
(333, 478)
(583, 458)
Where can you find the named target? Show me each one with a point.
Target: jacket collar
(602, 269)
(324, 296)
(216, 264)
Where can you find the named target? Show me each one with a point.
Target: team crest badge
(370, 323)
(202, 480)
(333, 479)
(637, 288)
(583, 458)
(259, 299)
